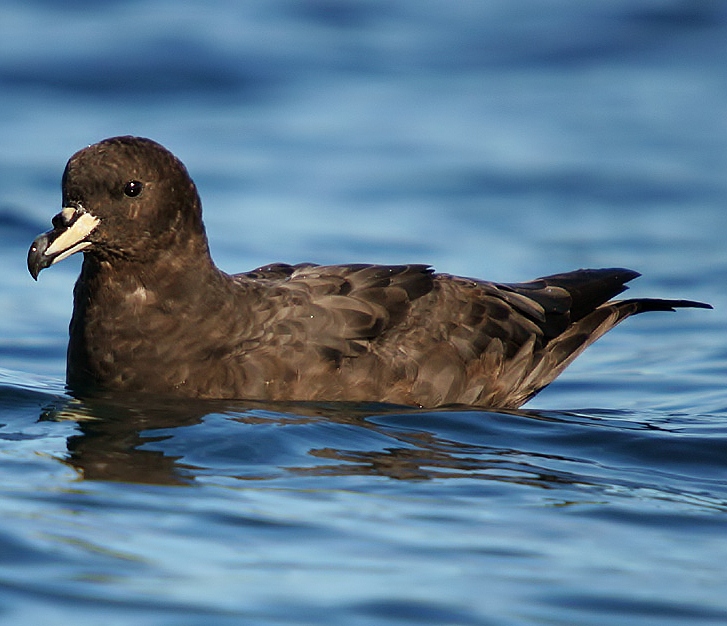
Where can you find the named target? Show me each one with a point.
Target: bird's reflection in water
(116, 432)
(113, 431)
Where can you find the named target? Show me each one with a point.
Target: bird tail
(563, 349)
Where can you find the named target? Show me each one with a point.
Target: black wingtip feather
(645, 305)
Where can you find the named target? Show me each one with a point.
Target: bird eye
(133, 188)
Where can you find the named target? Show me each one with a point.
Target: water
(503, 140)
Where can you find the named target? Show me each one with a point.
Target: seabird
(152, 313)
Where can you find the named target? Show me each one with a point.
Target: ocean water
(503, 140)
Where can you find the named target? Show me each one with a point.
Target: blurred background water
(502, 140)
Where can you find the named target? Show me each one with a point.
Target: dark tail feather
(591, 288)
(567, 346)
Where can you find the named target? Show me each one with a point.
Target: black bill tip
(37, 260)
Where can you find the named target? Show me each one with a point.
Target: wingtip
(658, 304)
(690, 304)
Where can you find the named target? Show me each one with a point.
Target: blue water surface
(503, 140)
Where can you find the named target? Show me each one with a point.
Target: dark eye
(133, 188)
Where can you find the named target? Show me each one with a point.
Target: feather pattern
(152, 312)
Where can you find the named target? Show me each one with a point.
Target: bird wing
(404, 334)
(341, 307)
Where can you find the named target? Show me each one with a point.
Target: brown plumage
(153, 313)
